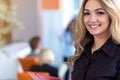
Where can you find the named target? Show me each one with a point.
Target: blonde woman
(97, 41)
(46, 57)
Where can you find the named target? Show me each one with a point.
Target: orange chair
(35, 76)
(24, 76)
(28, 62)
(44, 73)
(38, 76)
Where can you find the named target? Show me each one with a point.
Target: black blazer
(45, 68)
(103, 64)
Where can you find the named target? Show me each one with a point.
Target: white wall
(27, 13)
(66, 7)
(52, 28)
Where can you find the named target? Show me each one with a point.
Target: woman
(97, 41)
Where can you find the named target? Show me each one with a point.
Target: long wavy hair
(82, 36)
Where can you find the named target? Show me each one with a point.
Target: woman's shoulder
(118, 48)
(117, 52)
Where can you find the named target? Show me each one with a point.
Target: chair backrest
(24, 76)
(39, 76)
(34, 76)
(27, 62)
(44, 73)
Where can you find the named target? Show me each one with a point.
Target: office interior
(20, 20)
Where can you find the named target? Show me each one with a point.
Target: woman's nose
(93, 18)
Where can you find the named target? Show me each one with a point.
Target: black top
(45, 68)
(104, 64)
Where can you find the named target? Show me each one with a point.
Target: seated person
(35, 46)
(46, 57)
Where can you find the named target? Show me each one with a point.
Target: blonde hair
(46, 56)
(82, 36)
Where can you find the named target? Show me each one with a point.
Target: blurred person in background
(67, 45)
(34, 43)
(67, 39)
(46, 57)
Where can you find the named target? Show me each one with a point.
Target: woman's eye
(100, 13)
(86, 13)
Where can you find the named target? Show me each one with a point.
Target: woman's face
(96, 19)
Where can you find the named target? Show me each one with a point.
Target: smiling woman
(97, 41)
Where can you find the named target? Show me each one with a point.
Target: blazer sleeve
(118, 74)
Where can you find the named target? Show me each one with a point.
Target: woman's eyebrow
(95, 9)
(99, 9)
(86, 10)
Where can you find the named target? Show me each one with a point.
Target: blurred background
(20, 20)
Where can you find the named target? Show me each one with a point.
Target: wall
(55, 19)
(50, 4)
(52, 18)
(26, 12)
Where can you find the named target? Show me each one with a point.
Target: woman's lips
(94, 26)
